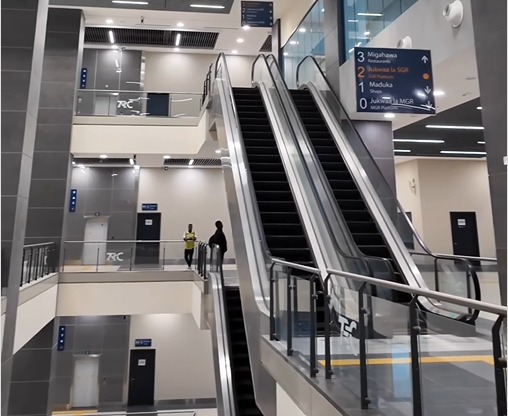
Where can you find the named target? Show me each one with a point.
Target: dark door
(464, 234)
(148, 228)
(157, 104)
(141, 378)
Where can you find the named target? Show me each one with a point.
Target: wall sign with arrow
(394, 81)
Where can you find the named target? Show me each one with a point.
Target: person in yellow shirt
(190, 241)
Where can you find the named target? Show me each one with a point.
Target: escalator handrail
(362, 258)
(474, 276)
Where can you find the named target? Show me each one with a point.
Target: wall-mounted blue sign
(73, 200)
(143, 342)
(83, 79)
(149, 207)
(394, 81)
(61, 338)
(257, 13)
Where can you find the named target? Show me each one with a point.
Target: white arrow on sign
(428, 89)
(428, 105)
(425, 59)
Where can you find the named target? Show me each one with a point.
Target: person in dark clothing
(220, 239)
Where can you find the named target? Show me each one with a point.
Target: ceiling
(454, 140)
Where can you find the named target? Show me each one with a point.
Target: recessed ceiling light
(131, 161)
(114, 174)
(136, 167)
(438, 93)
(178, 39)
(141, 3)
(366, 33)
(207, 6)
(370, 14)
(302, 30)
(402, 150)
(177, 49)
(439, 126)
(73, 162)
(103, 156)
(480, 142)
(234, 51)
(478, 108)
(111, 36)
(285, 54)
(180, 24)
(461, 152)
(245, 27)
(191, 162)
(294, 42)
(109, 21)
(166, 157)
(218, 151)
(240, 40)
(353, 21)
(418, 141)
(389, 115)
(322, 10)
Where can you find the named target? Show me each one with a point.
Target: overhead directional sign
(394, 81)
(257, 13)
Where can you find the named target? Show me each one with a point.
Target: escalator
(239, 355)
(282, 226)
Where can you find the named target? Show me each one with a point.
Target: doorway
(96, 229)
(85, 383)
(148, 228)
(464, 234)
(141, 377)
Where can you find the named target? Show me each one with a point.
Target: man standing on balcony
(190, 240)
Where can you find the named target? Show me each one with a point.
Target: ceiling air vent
(267, 45)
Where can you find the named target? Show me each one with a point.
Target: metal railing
(122, 103)
(201, 259)
(39, 260)
(293, 301)
(207, 83)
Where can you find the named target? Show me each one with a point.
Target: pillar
(489, 23)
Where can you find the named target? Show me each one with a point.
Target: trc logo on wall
(127, 104)
(114, 256)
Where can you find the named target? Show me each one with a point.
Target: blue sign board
(143, 342)
(394, 81)
(73, 200)
(83, 79)
(149, 207)
(257, 13)
(61, 338)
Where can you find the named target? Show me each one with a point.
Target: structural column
(489, 22)
(23, 29)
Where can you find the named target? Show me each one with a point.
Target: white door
(85, 384)
(96, 229)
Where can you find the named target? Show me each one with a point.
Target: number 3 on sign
(360, 56)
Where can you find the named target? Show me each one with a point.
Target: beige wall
(444, 186)
(184, 358)
(187, 195)
(182, 72)
(292, 13)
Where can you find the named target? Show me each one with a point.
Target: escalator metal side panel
(402, 257)
(215, 316)
(250, 260)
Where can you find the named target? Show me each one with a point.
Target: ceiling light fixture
(114, 174)
(177, 49)
(351, 50)
(402, 150)
(366, 33)
(461, 152)
(418, 141)
(389, 115)
(438, 93)
(207, 6)
(218, 151)
(478, 108)
(245, 27)
(103, 156)
(234, 51)
(136, 167)
(131, 161)
(180, 24)
(480, 142)
(302, 30)
(141, 3)
(166, 157)
(353, 20)
(109, 21)
(114, 47)
(178, 39)
(322, 10)
(439, 126)
(191, 162)
(370, 14)
(73, 162)
(285, 54)
(111, 36)
(116, 63)
(240, 40)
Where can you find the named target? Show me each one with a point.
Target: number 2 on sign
(361, 72)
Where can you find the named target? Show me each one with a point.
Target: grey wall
(31, 374)
(104, 335)
(23, 28)
(489, 22)
(100, 191)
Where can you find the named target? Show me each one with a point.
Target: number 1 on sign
(361, 86)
